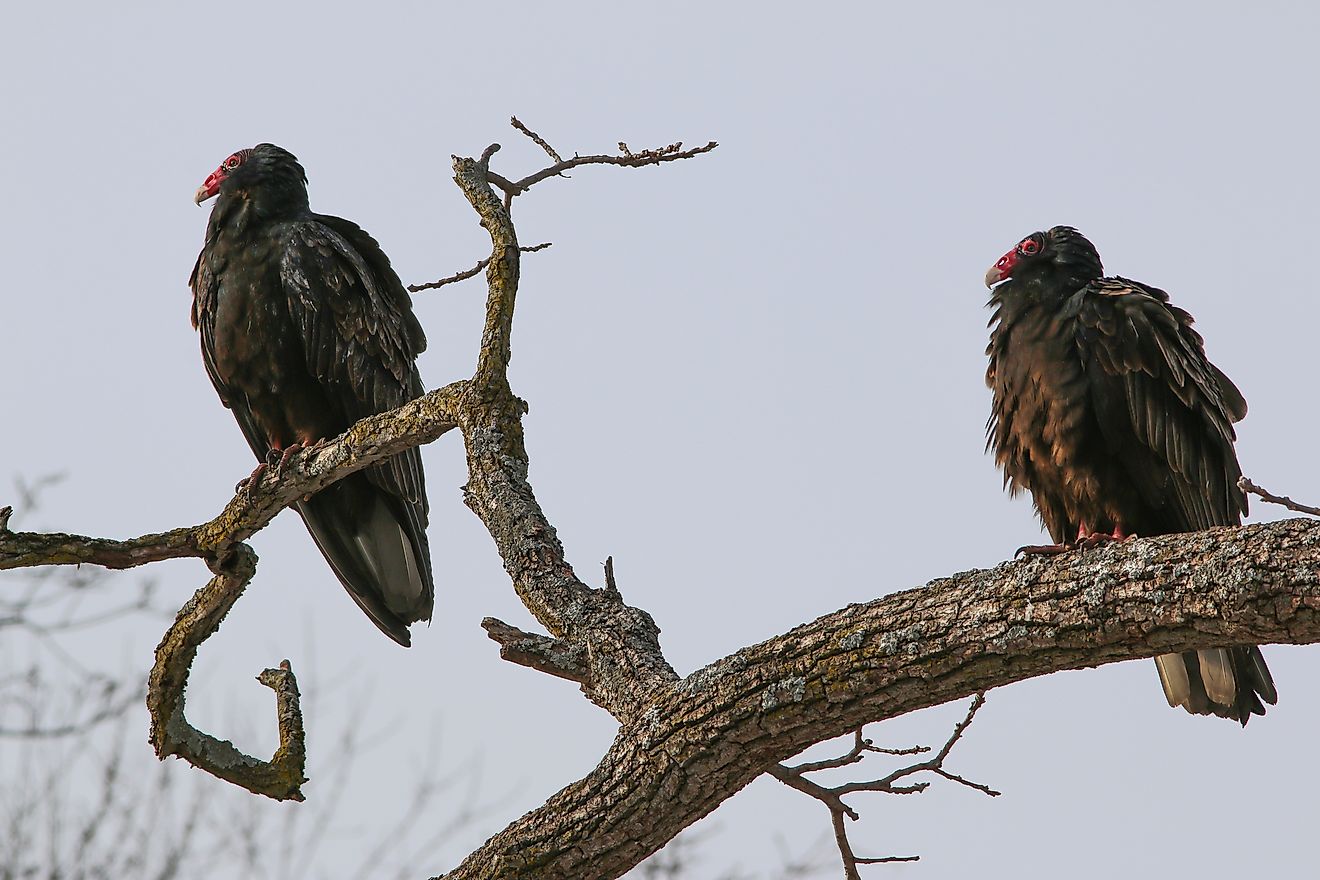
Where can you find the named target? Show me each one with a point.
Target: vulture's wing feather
(360, 340)
(1162, 406)
(205, 284)
(1169, 413)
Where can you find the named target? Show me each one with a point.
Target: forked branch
(833, 796)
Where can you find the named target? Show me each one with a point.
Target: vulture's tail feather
(1227, 682)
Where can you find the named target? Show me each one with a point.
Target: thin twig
(468, 273)
(832, 797)
(1247, 486)
(540, 141)
(671, 153)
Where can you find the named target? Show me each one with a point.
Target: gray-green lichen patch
(907, 640)
(787, 690)
(853, 640)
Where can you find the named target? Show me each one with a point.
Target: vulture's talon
(248, 486)
(289, 452)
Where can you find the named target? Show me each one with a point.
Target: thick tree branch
(171, 734)
(703, 738)
(220, 542)
(620, 643)
(367, 442)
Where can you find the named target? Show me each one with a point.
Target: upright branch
(617, 644)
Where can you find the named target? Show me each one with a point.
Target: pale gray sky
(755, 378)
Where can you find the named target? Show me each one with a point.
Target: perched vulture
(306, 329)
(1107, 411)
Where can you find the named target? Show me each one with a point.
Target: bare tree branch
(620, 642)
(1247, 486)
(370, 440)
(469, 273)
(832, 796)
(628, 159)
(171, 734)
(541, 653)
(536, 138)
(705, 737)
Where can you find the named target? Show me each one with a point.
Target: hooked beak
(1002, 269)
(210, 186)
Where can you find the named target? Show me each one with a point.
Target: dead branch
(370, 440)
(707, 736)
(536, 138)
(1247, 486)
(171, 734)
(627, 159)
(469, 273)
(621, 642)
(832, 796)
(538, 652)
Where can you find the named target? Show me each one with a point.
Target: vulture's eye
(232, 162)
(1029, 247)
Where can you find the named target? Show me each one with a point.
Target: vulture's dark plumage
(1107, 411)
(305, 329)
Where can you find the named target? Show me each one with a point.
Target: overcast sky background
(755, 378)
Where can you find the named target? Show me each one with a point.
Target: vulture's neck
(245, 210)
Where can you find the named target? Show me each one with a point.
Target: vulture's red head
(1061, 254)
(267, 168)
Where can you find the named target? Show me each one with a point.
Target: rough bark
(706, 736)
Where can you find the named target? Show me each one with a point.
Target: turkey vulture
(305, 329)
(1107, 411)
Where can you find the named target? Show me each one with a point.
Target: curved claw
(246, 487)
(1043, 550)
(289, 452)
(292, 449)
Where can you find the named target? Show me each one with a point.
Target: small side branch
(171, 734)
(1252, 489)
(470, 273)
(536, 138)
(542, 653)
(627, 159)
(833, 796)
